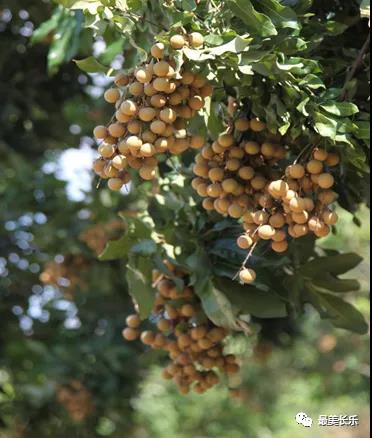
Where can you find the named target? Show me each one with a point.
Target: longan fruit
(242, 125)
(266, 201)
(327, 197)
(134, 127)
(112, 95)
(322, 231)
(301, 230)
(99, 165)
(205, 343)
(326, 181)
(164, 325)
(196, 103)
(330, 217)
(217, 148)
(188, 310)
(160, 341)
(257, 125)
(175, 99)
(199, 81)
(223, 205)
(168, 115)
(198, 333)
(208, 204)
(315, 224)
(100, 132)
(201, 170)
(258, 182)
(147, 150)
(214, 190)
(245, 242)
(232, 164)
(291, 194)
(333, 159)
(161, 84)
(236, 152)
(162, 69)
(147, 338)
(147, 114)
(133, 321)
(177, 42)
(268, 150)
(131, 334)
(280, 247)
(246, 173)
(129, 108)
(278, 188)
(229, 185)
(261, 217)
(266, 232)
(297, 205)
(149, 90)
(206, 91)
(115, 184)
(315, 167)
(197, 142)
(309, 204)
(121, 117)
(184, 340)
(121, 80)
(110, 171)
(116, 130)
(235, 211)
(277, 220)
(134, 142)
(252, 148)
(226, 140)
(157, 50)
(296, 171)
(136, 89)
(279, 236)
(300, 218)
(158, 127)
(247, 276)
(320, 154)
(148, 137)
(143, 75)
(196, 39)
(158, 101)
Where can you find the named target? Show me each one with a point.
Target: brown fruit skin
(247, 276)
(257, 125)
(297, 171)
(130, 334)
(280, 247)
(157, 50)
(177, 42)
(133, 321)
(196, 40)
(147, 338)
(245, 242)
(326, 181)
(100, 132)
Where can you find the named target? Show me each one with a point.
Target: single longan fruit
(309, 204)
(246, 173)
(206, 91)
(277, 220)
(226, 140)
(320, 154)
(247, 276)
(131, 334)
(175, 99)
(315, 167)
(214, 190)
(134, 127)
(296, 171)
(280, 247)
(196, 103)
(322, 231)
(177, 42)
(232, 164)
(301, 230)
(252, 148)
(315, 224)
(129, 108)
(327, 197)
(168, 115)
(297, 205)
(162, 69)
(196, 40)
(208, 204)
(158, 127)
(216, 174)
(161, 84)
(115, 184)
(148, 137)
(217, 148)
(110, 171)
(279, 236)
(268, 150)
(116, 130)
(99, 165)
(185, 112)
(197, 142)
(112, 95)
(258, 182)
(158, 101)
(149, 90)
(266, 232)
(147, 173)
(187, 78)
(201, 170)
(100, 132)
(333, 159)
(134, 142)
(133, 321)
(188, 310)
(119, 162)
(301, 218)
(229, 185)
(199, 81)
(121, 117)
(257, 125)
(235, 211)
(330, 217)
(242, 125)
(278, 188)
(121, 80)
(147, 338)
(147, 114)
(157, 50)
(147, 150)
(326, 181)
(236, 152)
(143, 75)
(245, 242)
(136, 89)
(261, 217)
(164, 325)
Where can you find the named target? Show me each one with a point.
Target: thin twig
(357, 63)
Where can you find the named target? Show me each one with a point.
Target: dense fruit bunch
(194, 343)
(77, 401)
(153, 105)
(250, 180)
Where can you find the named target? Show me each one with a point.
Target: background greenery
(59, 331)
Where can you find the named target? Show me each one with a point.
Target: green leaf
(256, 22)
(339, 312)
(90, 5)
(139, 278)
(341, 109)
(43, 31)
(91, 65)
(144, 248)
(336, 265)
(325, 126)
(281, 16)
(249, 300)
(117, 249)
(189, 5)
(331, 283)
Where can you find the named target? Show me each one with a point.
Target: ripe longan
(257, 126)
(326, 181)
(112, 95)
(242, 125)
(297, 171)
(177, 42)
(131, 334)
(245, 242)
(157, 50)
(247, 276)
(100, 132)
(266, 232)
(196, 39)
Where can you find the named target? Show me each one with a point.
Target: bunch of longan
(193, 343)
(248, 181)
(97, 236)
(77, 400)
(153, 105)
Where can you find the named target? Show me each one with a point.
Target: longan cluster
(77, 401)
(245, 181)
(97, 236)
(153, 106)
(193, 343)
